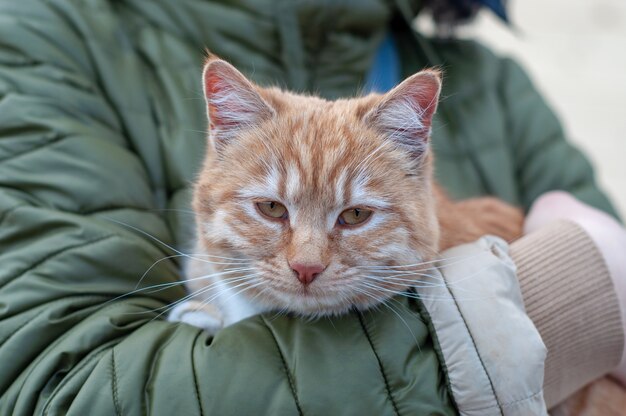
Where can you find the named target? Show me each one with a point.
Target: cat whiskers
(240, 280)
(438, 260)
(178, 252)
(376, 282)
(400, 280)
(401, 275)
(417, 269)
(226, 261)
(277, 314)
(164, 286)
(384, 303)
(404, 292)
(239, 292)
(238, 262)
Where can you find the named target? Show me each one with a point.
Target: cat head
(327, 200)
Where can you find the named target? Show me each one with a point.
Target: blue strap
(385, 72)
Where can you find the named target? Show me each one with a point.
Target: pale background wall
(575, 51)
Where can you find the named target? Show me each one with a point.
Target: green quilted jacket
(102, 128)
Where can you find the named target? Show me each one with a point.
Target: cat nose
(307, 272)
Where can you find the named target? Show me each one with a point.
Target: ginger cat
(306, 195)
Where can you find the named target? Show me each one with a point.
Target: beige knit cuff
(569, 295)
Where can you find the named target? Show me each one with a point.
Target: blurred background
(575, 52)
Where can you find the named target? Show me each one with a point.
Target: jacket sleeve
(545, 160)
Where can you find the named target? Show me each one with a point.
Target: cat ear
(233, 102)
(405, 113)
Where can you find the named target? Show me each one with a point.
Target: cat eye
(273, 210)
(354, 216)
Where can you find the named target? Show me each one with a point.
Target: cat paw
(198, 314)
